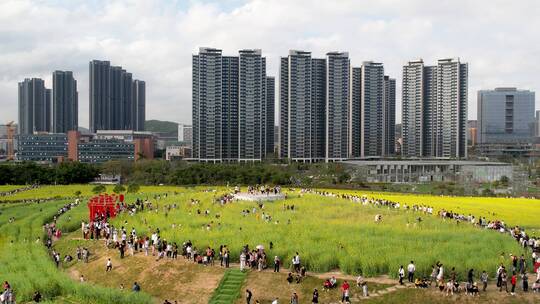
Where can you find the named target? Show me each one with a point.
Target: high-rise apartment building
(139, 106)
(65, 103)
(302, 107)
(537, 129)
(116, 100)
(434, 109)
(355, 109)
(207, 105)
(270, 113)
(230, 106)
(505, 115)
(251, 105)
(185, 133)
(34, 107)
(371, 114)
(389, 117)
(337, 106)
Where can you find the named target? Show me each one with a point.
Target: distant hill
(165, 128)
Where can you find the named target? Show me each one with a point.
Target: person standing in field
(109, 265)
(440, 276)
(470, 276)
(296, 262)
(504, 279)
(226, 258)
(294, 298)
(411, 269)
(276, 263)
(513, 281)
(401, 274)
(434, 272)
(345, 292)
(315, 298)
(242, 261)
(525, 282)
(484, 279)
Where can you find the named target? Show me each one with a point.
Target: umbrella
(260, 247)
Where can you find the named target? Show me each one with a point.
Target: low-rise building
(42, 147)
(424, 171)
(89, 148)
(177, 152)
(102, 150)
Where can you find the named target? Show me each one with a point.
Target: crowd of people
(131, 243)
(15, 191)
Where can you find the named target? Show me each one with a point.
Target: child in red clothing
(513, 281)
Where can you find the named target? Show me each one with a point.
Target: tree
(98, 189)
(133, 188)
(119, 189)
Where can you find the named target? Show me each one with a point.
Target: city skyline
(155, 39)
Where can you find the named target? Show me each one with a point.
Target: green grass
(514, 211)
(229, 288)
(5, 188)
(27, 266)
(328, 233)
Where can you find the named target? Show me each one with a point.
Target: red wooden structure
(104, 205)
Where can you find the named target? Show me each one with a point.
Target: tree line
(32, 173)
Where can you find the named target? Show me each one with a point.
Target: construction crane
(10, 135)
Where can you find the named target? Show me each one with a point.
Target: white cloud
(155, 39)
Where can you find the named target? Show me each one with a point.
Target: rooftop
(419, 162)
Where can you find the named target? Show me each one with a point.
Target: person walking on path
(410, 270)
(136, 287)
(484, 279)
(249, 294)
(401, 274)
(109, 265)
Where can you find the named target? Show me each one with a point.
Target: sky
(154, 40)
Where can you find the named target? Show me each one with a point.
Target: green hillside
(167, 128)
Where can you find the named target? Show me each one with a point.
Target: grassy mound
(229, 287)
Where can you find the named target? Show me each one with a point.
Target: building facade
(505, 115)
(34, 106)
(337, 106)
(185, 133)
(117, 101)
(371, 105)
(139, 106)
(302, 107)
(251, 106)
(427, 171)
(65, 103)
(434, 109)
(270, 114)
(50, 148)
(389, 117)
(230, 111)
